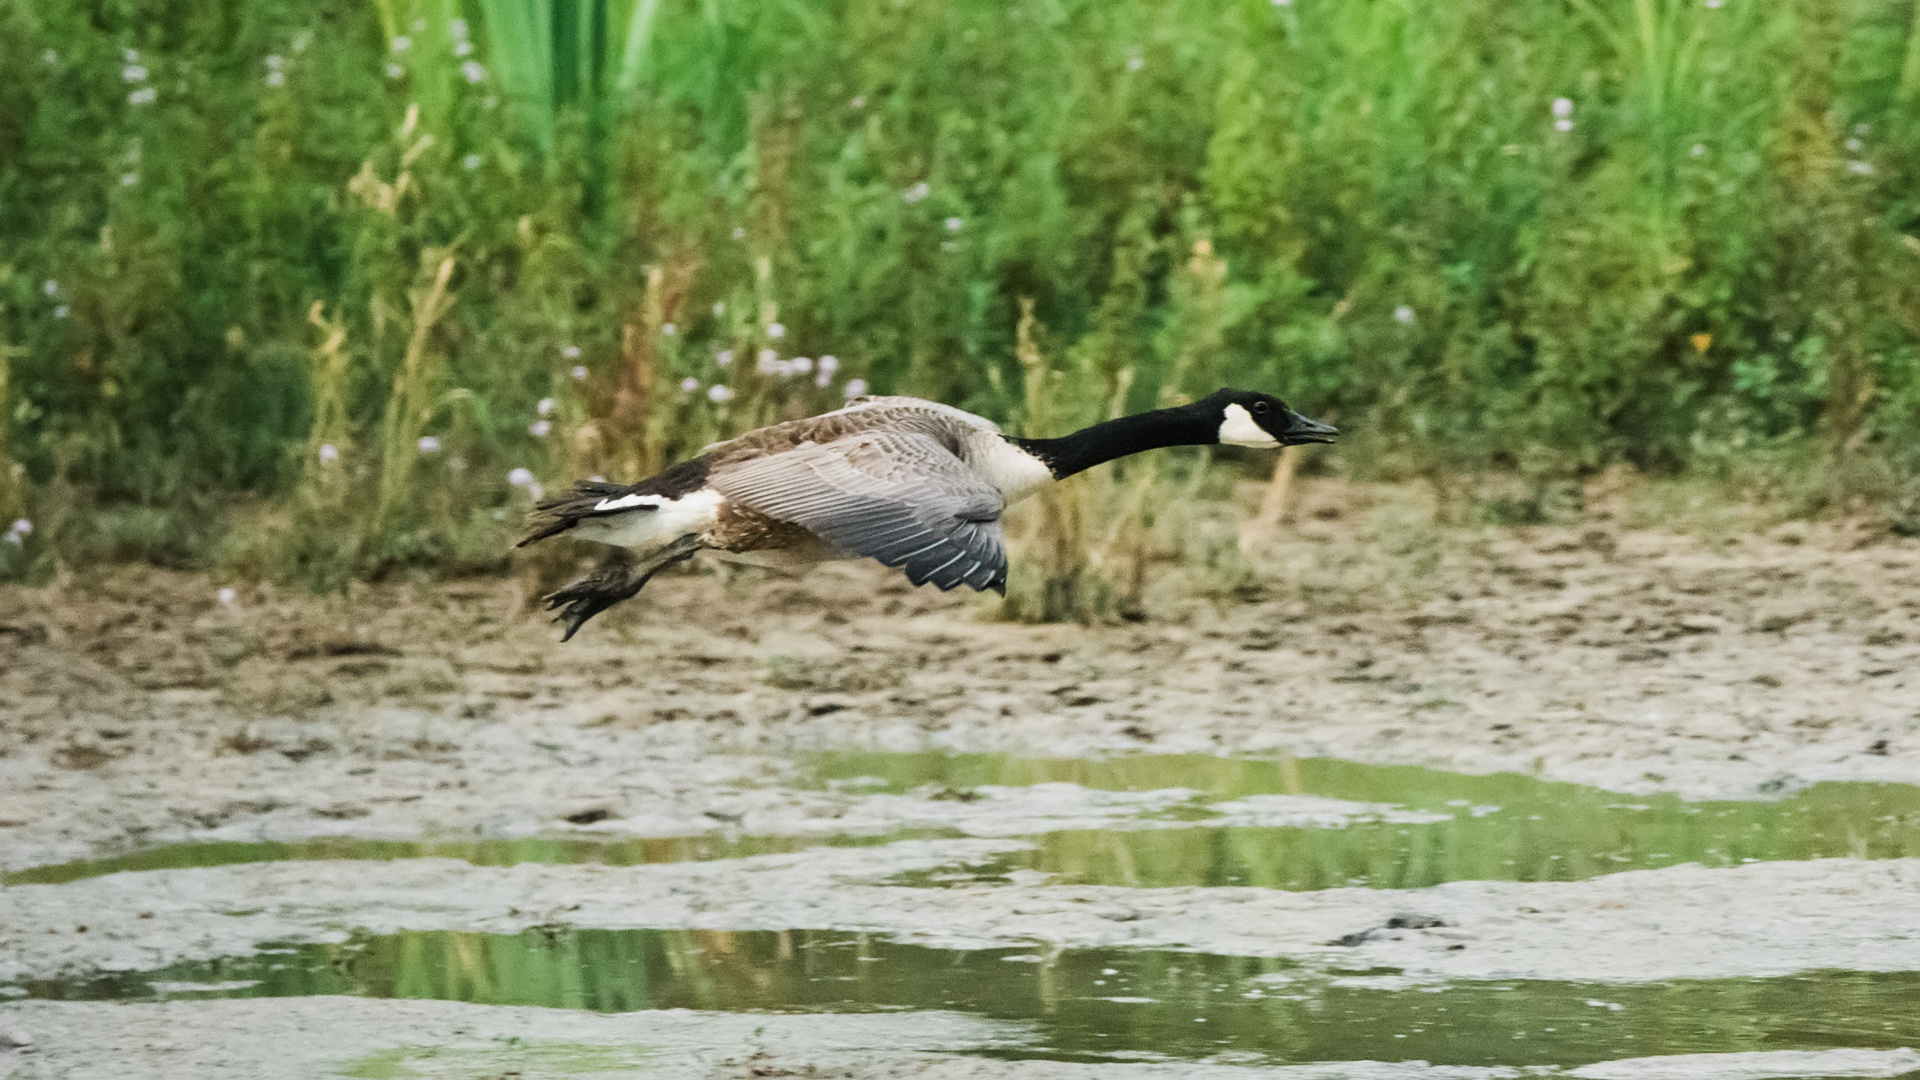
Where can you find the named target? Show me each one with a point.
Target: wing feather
(902, 498)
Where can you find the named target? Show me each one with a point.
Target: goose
(914, 484)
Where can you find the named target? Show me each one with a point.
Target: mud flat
(1394, 800)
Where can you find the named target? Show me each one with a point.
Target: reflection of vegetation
(1502, 827)
(613, 851)
(1084, 1003)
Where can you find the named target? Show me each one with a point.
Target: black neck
(1082, 450)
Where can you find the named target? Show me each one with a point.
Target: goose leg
(616, 580)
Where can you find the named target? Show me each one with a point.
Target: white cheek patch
(1238, 429)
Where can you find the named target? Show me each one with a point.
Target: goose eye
(1259, 406)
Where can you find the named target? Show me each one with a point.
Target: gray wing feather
(900, 497)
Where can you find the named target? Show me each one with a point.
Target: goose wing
(901, 497)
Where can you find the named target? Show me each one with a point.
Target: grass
(555, 238)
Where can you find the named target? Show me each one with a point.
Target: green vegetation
(297, 287)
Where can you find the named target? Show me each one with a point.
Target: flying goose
(912, 483)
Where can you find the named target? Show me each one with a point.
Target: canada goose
(911, 483)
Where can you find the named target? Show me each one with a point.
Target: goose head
(1247, 418)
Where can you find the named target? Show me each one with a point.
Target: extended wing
(900, 497)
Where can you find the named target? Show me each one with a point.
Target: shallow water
(562, 850)
(1499, 827)
(1082, 1004)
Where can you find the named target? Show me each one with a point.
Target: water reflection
(1084, 1004)
(1499, 827)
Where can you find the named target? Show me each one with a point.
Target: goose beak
(1302, 430)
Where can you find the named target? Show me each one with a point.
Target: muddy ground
(1712, 653)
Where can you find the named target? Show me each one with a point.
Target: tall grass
(1541, 236)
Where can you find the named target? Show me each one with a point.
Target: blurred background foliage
(324, 289)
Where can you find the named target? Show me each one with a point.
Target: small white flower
(856, 388)
(329, 453)
(474, 73)
(51, 287)
(1699, 150)
(1282, 3)
(1135, 63)
(419, 25)
(799, 365)
(829, 364)
(579, 371)
(395, 71)
(719, 393)
(50, 56)
(540, 429)
(571, 352)
(739, 233)
(227, 597)
(134, 73)
(668, 329)
(821, 380)
(429, 444)
(458, 28)
(470, 162)
(1859, 168)
(1563, 125)
(462, 48)
(21, 527)
(544, 406)
(1403, 315)
(276, 78)
(12, 538)
(768, 362)
(917, 192)
(954, 224)
(61, 312)
(402, 43)
(536, 492)
(723, 358)
(129, 179)
(520, 477)
(689, 384)
(142, 96)
(1562, 106)
(859, 102)
(775, 331)
(1714, 3)
(132, 56)
(1854, 145)
(719, 309)
(1863, 129)
(275, 62)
